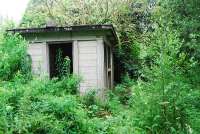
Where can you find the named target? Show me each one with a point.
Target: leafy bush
(42, 106)
(124, 90)
(12, 54)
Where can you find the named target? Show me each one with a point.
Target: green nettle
(59, 63)
(62, 64)
(26, 68)
(66, 66)
(167, 85)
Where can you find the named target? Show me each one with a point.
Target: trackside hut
(90, 48)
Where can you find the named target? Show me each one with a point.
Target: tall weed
(12, 55)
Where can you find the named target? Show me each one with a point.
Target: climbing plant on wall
(62, 64)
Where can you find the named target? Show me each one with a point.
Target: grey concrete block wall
(39, 56)
(88, 60)
(88, 49)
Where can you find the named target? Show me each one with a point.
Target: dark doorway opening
(108, 66)
(66, 49)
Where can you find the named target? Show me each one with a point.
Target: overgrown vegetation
(62, 64)
(10, 65)
(159, 56)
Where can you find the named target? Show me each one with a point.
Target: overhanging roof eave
(67, 29)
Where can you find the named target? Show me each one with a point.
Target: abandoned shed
(89, 47)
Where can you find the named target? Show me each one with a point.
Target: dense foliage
(10, 65)
(159, 53)
(62, 64)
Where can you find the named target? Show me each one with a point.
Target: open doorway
(108, 66)
(66, 49)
